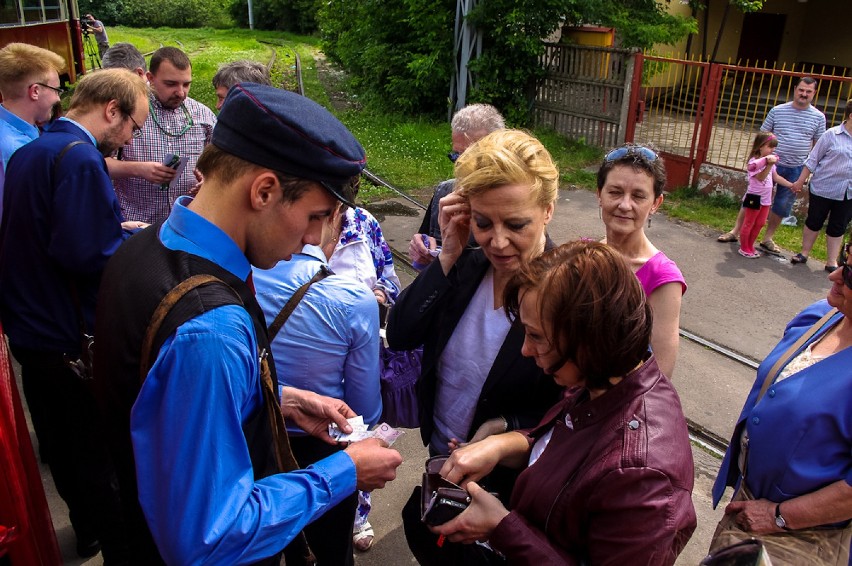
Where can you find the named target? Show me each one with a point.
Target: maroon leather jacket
(613, 486)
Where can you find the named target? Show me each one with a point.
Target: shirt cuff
(339, 471)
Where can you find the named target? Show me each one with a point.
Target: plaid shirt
(144, 201)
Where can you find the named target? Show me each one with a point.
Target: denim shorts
(782, 204)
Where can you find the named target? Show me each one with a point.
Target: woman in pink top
(757, 200)
(630, 189)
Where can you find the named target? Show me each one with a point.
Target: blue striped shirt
(797, 131)
(831, 164)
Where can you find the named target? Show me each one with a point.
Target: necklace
(186, 115)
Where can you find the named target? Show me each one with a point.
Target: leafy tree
(401, 51)
(289, 15)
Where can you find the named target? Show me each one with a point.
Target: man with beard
(61, 224)
(177, 130)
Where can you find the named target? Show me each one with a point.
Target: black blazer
(428, 311)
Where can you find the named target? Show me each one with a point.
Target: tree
(401, 51)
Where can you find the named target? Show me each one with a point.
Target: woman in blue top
(794, 435)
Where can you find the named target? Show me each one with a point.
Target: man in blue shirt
(61, 223)
(192, 440)
(29, 87)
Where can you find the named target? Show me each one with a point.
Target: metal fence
(695, 112)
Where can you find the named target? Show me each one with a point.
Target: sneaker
(771, 247)
(754, 255)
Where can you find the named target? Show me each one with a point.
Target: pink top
(756, 186)
(657, 271)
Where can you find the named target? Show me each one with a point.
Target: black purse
(751, 201)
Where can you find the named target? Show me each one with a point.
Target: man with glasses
(154, 170)
(60, 226)
(798, 125)
(469, 125)
(29, 87)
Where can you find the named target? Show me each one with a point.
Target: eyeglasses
(847, 269)
(137, 129)
(454, 155)
(58, 90)
(635, 150)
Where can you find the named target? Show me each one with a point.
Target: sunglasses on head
(634, 150)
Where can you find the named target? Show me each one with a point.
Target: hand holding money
(360, 431)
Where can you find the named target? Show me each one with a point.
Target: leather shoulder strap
(291, 305)
(791, 351)
(163, 309)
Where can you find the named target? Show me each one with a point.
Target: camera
(85, 25)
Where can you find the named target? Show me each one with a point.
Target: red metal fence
(694, 112)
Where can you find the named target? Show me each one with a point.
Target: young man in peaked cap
(194, 441)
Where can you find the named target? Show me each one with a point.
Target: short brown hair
(592, 307)
(22, 63)
(225, 168)
(171, 54)
(121, 85)
(656, 169)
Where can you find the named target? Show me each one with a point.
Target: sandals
(771, 247)
(362, 539)
(799, 258)
(727, 237)
(753, 255)
(831, 268)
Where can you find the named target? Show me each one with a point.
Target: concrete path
(741, 304)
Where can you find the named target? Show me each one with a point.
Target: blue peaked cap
(287, 132)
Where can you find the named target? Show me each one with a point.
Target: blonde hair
(121, 85)
(508, 157)
(22, 64)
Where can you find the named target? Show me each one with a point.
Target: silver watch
(780, 522)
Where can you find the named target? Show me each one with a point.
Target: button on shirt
(148, 202)
(831, 164)
(196, 485)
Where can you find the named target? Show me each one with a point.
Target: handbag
(400, 372)
(751, 201)
(819, 546)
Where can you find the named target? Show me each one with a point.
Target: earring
(600, 212)
(649, 221)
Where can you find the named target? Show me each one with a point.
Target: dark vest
(136, 279)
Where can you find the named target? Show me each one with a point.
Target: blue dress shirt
(831, 162)
(14, 132)
(330, 344)
(196, 484)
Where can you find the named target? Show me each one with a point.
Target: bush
(160, 13)
(398, 52)
(289, 15)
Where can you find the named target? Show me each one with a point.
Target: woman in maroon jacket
(609, 469)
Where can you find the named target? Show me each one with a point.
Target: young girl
(758, 198)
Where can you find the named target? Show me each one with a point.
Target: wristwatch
(779, 519)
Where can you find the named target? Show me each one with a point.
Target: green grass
(720, 212)
(208, 48)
